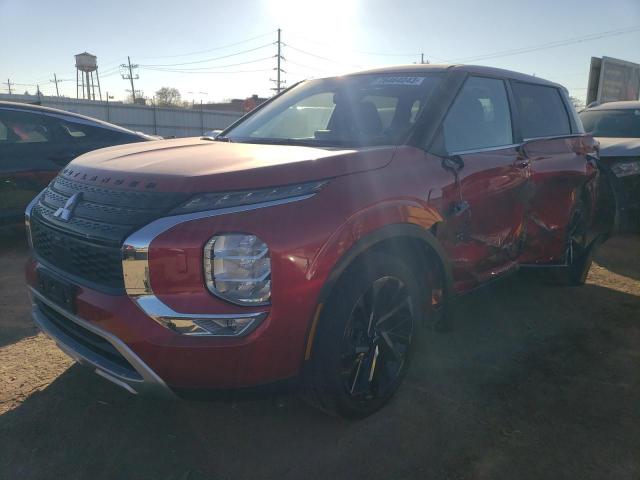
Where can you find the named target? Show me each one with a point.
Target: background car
(212, 133)
(36, 142)
(617, 126)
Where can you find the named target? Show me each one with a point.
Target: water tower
(86, 64)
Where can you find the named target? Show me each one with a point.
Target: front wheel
(366, 337)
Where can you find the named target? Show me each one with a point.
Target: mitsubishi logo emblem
(65, 213)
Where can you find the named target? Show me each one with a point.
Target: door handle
(523, 163)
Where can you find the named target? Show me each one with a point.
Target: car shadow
(534, 382)
(620, 254)
(15, 323)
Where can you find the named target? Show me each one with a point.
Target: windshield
(359, 110)
(612, 123)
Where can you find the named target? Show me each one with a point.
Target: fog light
(221, 325)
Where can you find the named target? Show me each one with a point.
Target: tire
(579, 253)
(366, 337)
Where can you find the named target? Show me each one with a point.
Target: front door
(486, 200)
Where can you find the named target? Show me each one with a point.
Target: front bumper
(170, 260)
(157, 356)
(120, 366)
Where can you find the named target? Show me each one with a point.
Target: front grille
(88, 246)
(92, 262)
(87, 338)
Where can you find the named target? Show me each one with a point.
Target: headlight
(237, 268)
(624, 169)
(213, 201)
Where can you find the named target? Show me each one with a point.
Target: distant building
(237, 105)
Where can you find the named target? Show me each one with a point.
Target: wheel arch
(391, 238)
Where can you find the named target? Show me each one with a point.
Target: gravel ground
(535, 382)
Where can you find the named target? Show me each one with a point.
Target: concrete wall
(168, 122)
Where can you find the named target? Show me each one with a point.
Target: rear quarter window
(542, 110)
(91, 137)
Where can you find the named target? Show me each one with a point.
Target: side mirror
(454, 163)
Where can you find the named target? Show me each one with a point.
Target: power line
(208, 59)
(543, 46)
(215, 48)
(377, 54)
(196, 69)
(307, 66)
(321, 57)
(221, 71)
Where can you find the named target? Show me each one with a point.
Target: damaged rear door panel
(560, 176)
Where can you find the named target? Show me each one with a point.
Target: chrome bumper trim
(144, 380)
(27, 218)
(165, 316)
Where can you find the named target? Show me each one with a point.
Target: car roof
(622, 105)
(477, 69)
(27, 107)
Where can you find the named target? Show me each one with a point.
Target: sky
(214, 50)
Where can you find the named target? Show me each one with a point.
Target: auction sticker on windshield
(398, 81)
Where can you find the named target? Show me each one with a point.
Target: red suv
(316, 237)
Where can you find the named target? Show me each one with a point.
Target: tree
(577, 103)
(168, 97)
(140, 98)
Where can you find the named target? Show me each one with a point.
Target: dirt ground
(535, 382)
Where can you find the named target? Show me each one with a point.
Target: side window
(90, 137)
(22, 127)
(542, 111)
(479, 117)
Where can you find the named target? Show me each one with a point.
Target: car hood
(197, 165)
(619, 147)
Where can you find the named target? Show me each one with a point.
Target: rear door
(557, 152)
(486, 202)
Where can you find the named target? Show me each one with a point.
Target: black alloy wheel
(366, 336)
(377, 339)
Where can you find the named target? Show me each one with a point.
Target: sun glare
(330, 27)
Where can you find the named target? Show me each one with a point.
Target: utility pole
(201, 118)
(130, 76)
(55, 80)
(278, 81)
(9, 85)
(422, 58)
(279, 57)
